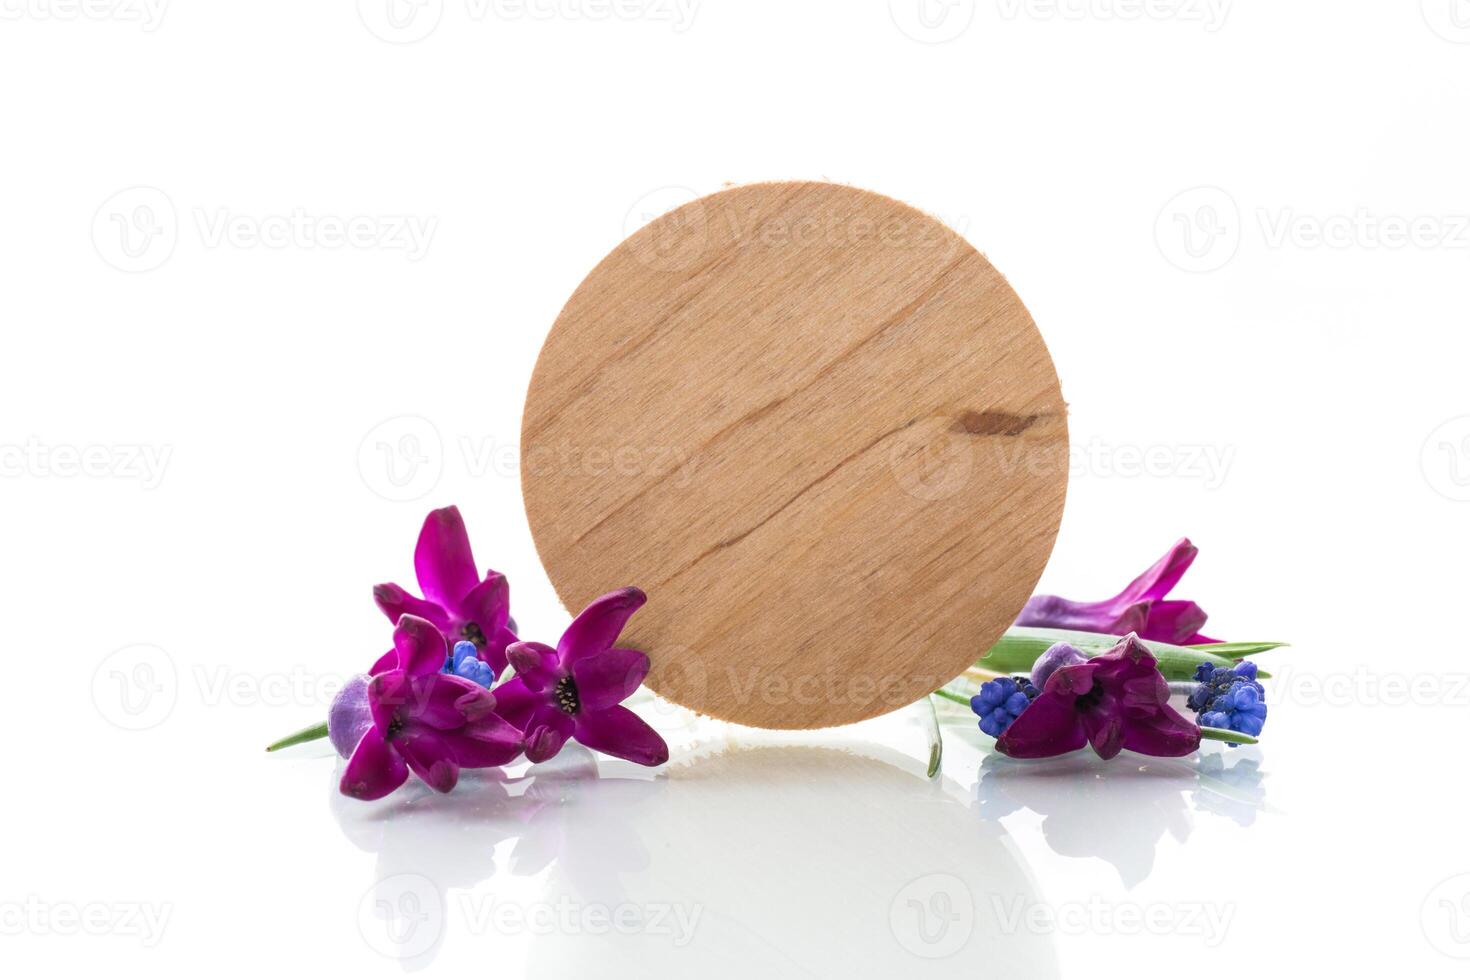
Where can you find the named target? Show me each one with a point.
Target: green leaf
(1237, 650)
(1018, 649)
(951, 696)
(1226, 735)
(936, 740)
(309, 734)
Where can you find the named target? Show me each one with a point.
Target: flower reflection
(1234, 790)
(428, 844)
(1119, 811)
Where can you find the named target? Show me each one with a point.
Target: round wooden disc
(819, 430)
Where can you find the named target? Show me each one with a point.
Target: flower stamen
(565, 695)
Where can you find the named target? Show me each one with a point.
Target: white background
(1242, 228)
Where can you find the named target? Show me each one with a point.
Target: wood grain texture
(819, 430)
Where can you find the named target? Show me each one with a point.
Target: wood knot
(993, 423)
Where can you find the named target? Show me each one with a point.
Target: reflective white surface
(790, 854)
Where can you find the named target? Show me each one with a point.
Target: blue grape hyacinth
(1229, 698)
(1000, 702)
(465, 662)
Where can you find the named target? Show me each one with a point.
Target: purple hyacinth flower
(1117, 700)
(456, 600)
(576, 690)
(417, 719)
(1140, 608)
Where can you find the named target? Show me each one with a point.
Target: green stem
(1020, 646)
(949, 696)
(308, 734)
(1226, 735)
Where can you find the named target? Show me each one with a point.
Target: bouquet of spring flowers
(459, 689)
(1073, 674)
(436, 702)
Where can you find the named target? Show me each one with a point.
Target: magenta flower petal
(1104, 726)
(608, 678)
(429, 756)
(1169, 735)
(1161, 577)
(374, 770)
(546, 732)
(1176, 621)
(1054, 612)
(444, 701)
(488, 603)
(1140, 608)
(442, 560)
(390, 695)
(515, 702)
(491, 741)
(421, 648)
(1073, 681)
(396, 603)
(474, 703)
(536, 664)
(496, 644)
(1049, 727)
(619, 732)
(597, 627)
